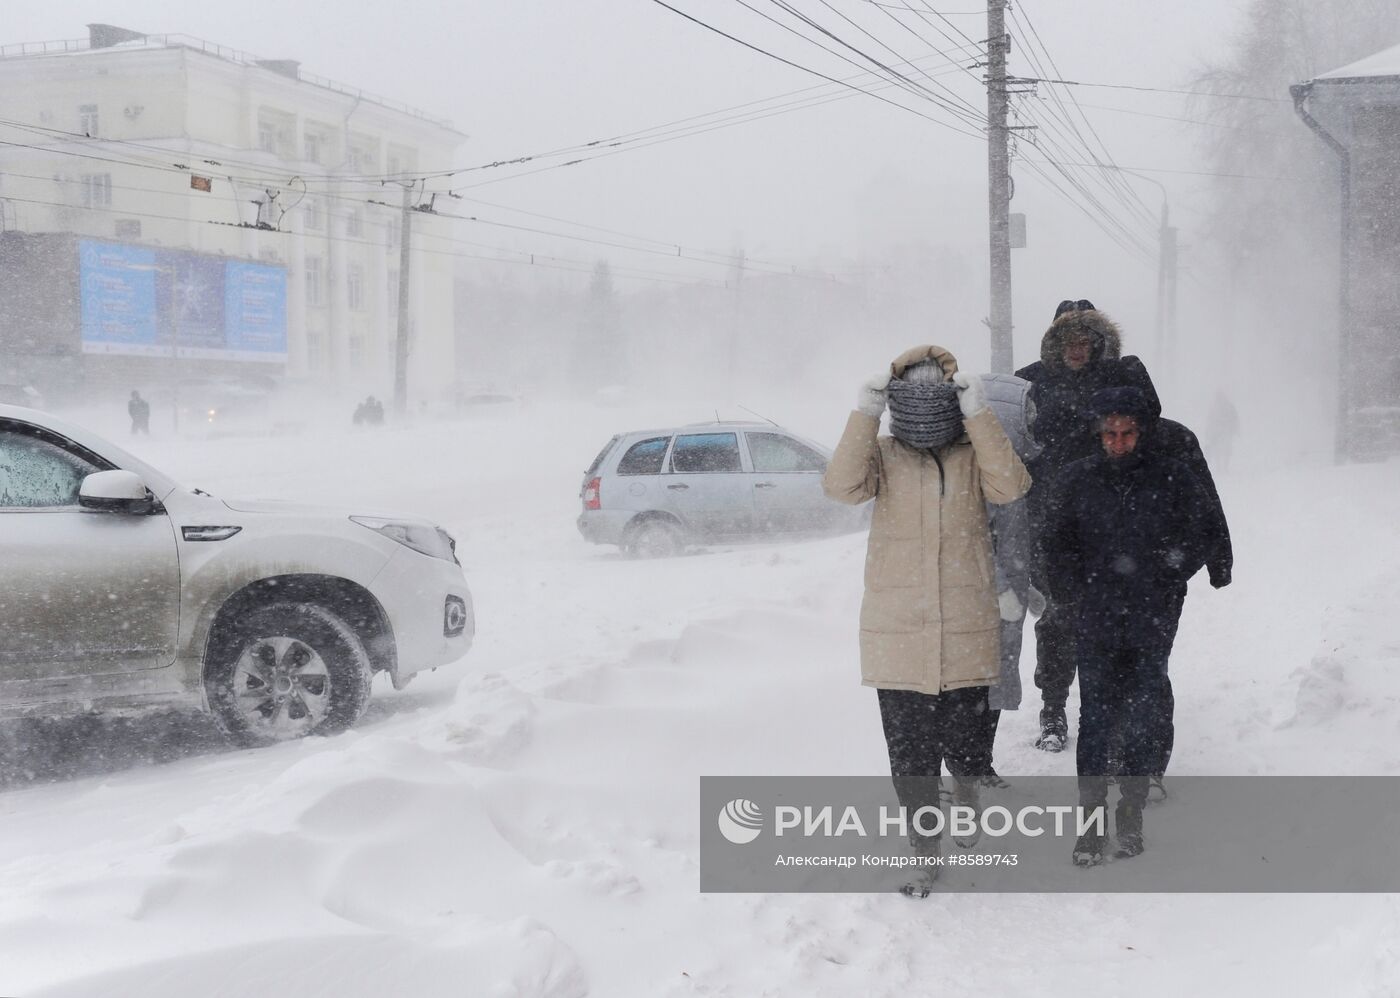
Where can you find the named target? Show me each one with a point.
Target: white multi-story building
(173, 147)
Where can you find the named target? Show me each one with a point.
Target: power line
(681, 133)
(974, 116)
(678, 251)
(535, 259)
(1195, 173)
(805, 69)
(1118, 184)
(1188, 121)
(1153, 90)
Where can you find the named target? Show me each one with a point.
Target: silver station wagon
(653, 492)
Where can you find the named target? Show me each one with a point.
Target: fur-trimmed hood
(917, 355)
(1103, 333)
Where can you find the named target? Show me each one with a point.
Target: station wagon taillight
(591, 497)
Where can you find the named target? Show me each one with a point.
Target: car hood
(278, 507)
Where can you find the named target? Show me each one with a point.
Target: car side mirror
(116, 491)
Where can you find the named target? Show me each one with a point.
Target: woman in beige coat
(929, 623)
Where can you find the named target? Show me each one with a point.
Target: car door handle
(679, 488)
(764, 485)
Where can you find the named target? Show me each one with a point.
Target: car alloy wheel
(655, 539)
(284, 671)
(281, 687)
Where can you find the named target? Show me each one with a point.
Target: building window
(315, 281)
(357, 351)
(315, 221)
(311, 147)
(314, 344)
(87, 120)
(96, 190)
(399, 160)
(363, 152)
(355, 223)
(277, 133)
(355, 285)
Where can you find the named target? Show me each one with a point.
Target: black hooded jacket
(1122, 538)
(1065, 430)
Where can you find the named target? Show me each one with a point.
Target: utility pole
(999, 186)
(1162, 279)
(401, 343)
(1168, 280)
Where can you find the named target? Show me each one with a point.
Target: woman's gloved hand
(871, 399)
(1010, 606)
(972, 397)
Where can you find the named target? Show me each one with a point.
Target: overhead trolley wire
(814, 72)
(1118, 179)
(972, 115)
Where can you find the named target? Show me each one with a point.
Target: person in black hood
(1080, 354)
(1125, 529)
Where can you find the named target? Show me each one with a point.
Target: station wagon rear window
(644, 457)
(706, 453)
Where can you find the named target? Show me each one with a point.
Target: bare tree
(1277, 193)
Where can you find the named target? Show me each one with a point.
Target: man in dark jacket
(1080, 354)
(140, 412)
(1125, 530)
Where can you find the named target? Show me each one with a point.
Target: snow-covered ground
(526, 822)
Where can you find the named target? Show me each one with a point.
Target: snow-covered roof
(1379, 66)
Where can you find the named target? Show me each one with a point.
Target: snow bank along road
(525, 823)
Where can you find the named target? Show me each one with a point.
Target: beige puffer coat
(929, 621)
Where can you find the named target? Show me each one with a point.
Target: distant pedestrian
(1126, 528)
(1222, 424)
(140, 412)
(370, 412)
(929, 622)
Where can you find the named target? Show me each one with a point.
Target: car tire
(284, 671)
(654, 538)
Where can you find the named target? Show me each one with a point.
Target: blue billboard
(255, 309)
(146, 302)
(117, 286)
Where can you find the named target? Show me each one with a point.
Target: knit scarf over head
(924, 415)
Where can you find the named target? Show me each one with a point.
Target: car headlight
(422, 537)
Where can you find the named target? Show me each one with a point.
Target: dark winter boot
(1088, 849)
(1054, 729)
(991, 778)
(922, 877)
(1127, 823)
(965, 795)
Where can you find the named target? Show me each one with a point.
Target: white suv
(119, 589)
